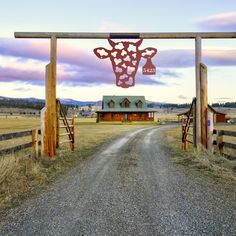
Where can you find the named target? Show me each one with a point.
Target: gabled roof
(209, 107)
(125, 99)
(118, 99)
(214, 111)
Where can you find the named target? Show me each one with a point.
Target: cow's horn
(138, 43)
(111, 43)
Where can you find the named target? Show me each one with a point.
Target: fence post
(35, 143)
(194, 124)
(72, 144)
(220, 141)
(43, 131)
(210, 127)
(58, 124)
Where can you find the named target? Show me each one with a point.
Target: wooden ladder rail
(185, 130)
(67, 126)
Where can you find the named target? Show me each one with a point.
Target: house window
(111, 104)
(125, 103)
(139, 104)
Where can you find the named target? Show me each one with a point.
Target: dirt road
(130, 187)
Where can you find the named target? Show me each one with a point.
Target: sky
(83, 76)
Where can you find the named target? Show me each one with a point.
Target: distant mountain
(6, 101)
(154, 104)
(72, 102)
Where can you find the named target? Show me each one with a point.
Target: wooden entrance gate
(49, 114)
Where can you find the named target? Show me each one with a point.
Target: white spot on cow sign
(130, 69)
(132, 48)
(102, 53)
(123, 65)
(130, 81)
(127, 58)
(114, 54)
(122, 77)
(119, 46)
(118, 70)
(123, 53)
(117, 61)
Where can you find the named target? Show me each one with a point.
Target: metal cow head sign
(125, 58)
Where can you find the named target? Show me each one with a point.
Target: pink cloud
(186, 58)
(219, 22)
(68, 78)
(81, 67)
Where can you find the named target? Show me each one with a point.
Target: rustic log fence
(34, 143)
(221, 144)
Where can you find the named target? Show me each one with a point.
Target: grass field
(20, 173)
(202, 160)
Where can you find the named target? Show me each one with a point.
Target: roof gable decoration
(125, 103)
(111, 103)
(139, 104)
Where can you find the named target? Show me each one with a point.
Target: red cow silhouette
(125, 58)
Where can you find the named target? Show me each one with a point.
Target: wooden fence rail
(219, 142)
(34, 143)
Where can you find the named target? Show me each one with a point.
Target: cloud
(78, 66)
(219, 22)
(182, 97)
(183, 58)
(21, 89)
(10, 74)
(72, 77)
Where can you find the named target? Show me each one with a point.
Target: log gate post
(198, 58)
(204, 104)
(49, 135)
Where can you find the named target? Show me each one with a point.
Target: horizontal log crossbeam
(122, 35)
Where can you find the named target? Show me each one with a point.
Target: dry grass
(15, 124)
(203, 160)
(85, 120)
(18, 123)
(20, 172)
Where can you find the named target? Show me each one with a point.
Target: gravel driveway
(130, 187)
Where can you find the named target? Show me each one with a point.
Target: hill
(38, 104)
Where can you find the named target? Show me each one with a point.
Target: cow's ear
(101, 53)
(148, 52)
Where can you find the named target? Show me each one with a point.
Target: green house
(125, 109)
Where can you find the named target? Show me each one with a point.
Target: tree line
(26, 104)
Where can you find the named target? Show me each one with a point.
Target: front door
(126, 117)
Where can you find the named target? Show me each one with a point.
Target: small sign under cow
(125, 58)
